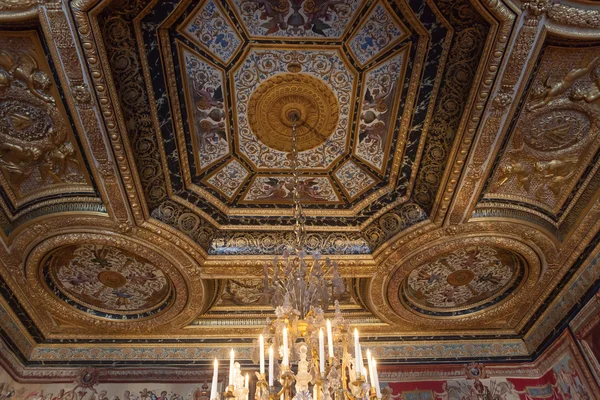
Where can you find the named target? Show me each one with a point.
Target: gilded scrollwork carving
(184, 231)
(36, 142)
(554, 137)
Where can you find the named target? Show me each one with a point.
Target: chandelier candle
(271, 364)
(261, 344)
(321, 352)
(377, 390)
(371, 372)
(357, 355)
(231, 368)
(330, 341)
(286, 360)
(213, 388)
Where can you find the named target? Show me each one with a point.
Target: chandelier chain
(299, 228)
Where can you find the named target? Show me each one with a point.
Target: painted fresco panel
(211, 29)
(568, 381)
(378, 32)
(205, 97)
(298, 19)
(378, 110)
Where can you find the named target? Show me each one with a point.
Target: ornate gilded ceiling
(448, 156)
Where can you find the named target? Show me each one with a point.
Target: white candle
(261, 343)
(357, 356)
(231, 368)
(213, 388)
(246, 386)
(370, 363)
(271, 366)
(330, 339)
(285, 348)
(361, 362)
(321, 352)
(376, 375)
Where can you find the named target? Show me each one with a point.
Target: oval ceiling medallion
(463, 281)
(107, 281)
(274, 103)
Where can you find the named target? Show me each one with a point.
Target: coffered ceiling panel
(448, 158)
(40, 158)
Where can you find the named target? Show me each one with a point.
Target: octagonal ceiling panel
(360, 125)
(298, 19)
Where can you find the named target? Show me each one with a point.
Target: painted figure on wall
(568, 382)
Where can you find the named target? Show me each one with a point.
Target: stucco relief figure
(548, 93)
(23, 68)
(592, 94)
(515, 169)
(555, 172)
(34, 148)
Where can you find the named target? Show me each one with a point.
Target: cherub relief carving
(557, 131)
(590, 95)
(23, 68)
(548, 93)
(556, 172)
(517, 169)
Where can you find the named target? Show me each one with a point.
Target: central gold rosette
(277, 100)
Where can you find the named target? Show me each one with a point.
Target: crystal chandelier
(300, 286)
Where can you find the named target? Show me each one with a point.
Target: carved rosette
(277, 100)
(463, 281)
(476, 274)
(114, 282)
(107, 281)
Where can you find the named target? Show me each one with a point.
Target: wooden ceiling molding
(449, 161)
